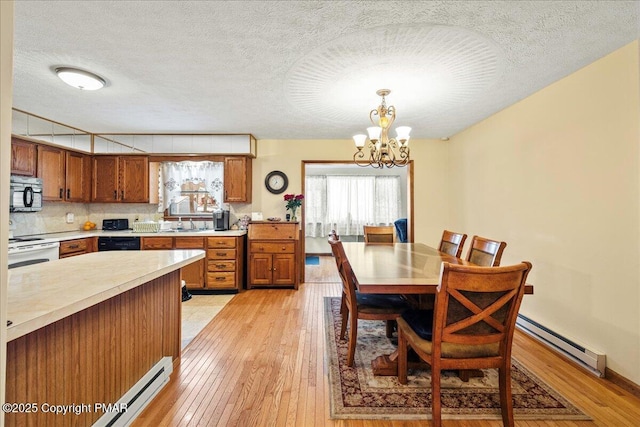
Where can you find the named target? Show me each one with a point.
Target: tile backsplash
(52, 217)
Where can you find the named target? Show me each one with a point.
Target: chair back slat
(452, 243)
(379, 234)
(485, 252)
(478, 305)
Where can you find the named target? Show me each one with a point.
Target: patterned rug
(357, 394)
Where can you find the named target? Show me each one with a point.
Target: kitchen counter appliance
(118, 243)
(115, 224)
(27, 251)
(221, 220)
(25, 194)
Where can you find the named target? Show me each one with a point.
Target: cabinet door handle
(115, 194)
(220, 253)
(219, 279)
(122, 195)
(220, 265)
(61, 193)
(68, 193)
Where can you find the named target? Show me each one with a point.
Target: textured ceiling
(302, 69)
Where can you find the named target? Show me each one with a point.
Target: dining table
(398, 268)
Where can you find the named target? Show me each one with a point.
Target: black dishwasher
(128, 243)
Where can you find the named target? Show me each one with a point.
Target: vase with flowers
(293, 202)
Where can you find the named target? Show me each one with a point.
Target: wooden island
(86, 329)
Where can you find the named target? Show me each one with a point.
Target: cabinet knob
(284, 248)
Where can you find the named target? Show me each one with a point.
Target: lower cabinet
(221, 270)
(273, 254)
(69, 248)
(225, 263)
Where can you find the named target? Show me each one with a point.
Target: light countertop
(41, 294)
(80, 234)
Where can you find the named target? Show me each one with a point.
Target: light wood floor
(261, 363)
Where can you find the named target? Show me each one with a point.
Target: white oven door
(32, 254)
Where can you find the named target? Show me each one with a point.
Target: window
(347, 203)
(191, 188)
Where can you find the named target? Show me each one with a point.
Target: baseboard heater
(593, 361)
(125, 410)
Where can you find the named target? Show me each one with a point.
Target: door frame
(303, 175)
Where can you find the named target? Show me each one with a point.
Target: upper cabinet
(237, 179)
(123, 179)
(39, 129)
(65, 174)
(239, 144)
(23, 157)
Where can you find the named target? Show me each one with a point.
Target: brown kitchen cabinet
(225, 263)
(192, 274)
(237, 179)
(23, 157)
(69, 248)
(65, 174)
(273, 254)
(120, 179)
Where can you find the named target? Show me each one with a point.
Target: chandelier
(382, 150)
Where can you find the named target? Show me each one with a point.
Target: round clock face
(276, 182)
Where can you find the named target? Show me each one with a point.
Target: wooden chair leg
(353, 336)
(506, 402)
(436, 402)
(344, 311)
(391, 324)
(402, 357)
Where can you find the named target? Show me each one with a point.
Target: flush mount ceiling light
(80, 79)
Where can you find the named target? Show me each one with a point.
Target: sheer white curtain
(176, 177)
(347, 203)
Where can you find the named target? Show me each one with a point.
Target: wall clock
(276, 182)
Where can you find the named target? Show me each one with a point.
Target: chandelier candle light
(293, 203)
(382, 150)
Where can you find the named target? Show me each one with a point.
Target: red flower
(294, 201)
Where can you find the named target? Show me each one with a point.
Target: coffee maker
(221, 220)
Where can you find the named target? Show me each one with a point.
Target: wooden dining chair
(379, 234)
(452, 243)
(471, 327)
(356, 306)
(485, 252)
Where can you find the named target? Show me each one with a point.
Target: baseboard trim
(622, 382)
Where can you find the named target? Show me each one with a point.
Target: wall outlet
(70, 217)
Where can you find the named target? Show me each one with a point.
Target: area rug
(356, 393)
(312, 260)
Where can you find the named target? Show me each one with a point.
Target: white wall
(557, 176)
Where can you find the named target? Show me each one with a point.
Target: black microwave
(25, 194)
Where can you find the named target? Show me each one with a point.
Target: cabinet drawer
(221, 280)
(221, 242)
(189, 243)
(280, 231)
(73, 246)
(221, 265)
(221, 254)
(273, 247)
(157, 243)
